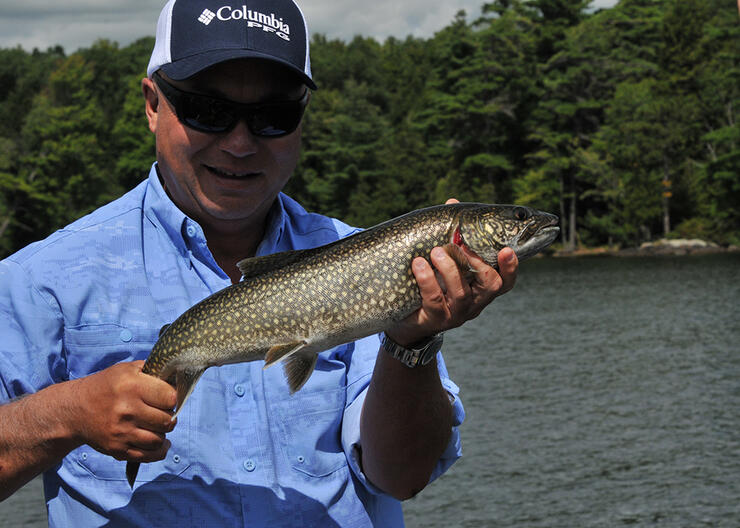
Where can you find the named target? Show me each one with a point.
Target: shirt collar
(274, 228)
(179, 227)
(164, 211)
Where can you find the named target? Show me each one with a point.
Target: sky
(79, 23)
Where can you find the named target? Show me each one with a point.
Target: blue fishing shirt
(245, 453)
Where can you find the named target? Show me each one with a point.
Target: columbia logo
(206, 16)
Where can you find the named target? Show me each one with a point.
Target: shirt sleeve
(31, 329)
(360, 370)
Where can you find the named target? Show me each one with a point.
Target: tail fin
(132, 469)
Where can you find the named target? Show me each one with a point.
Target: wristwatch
(420, 353)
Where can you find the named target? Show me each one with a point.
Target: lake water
(601, 392)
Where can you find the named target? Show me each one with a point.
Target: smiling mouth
(231, 175)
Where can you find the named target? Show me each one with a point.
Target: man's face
(225, 181)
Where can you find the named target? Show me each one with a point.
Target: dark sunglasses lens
(207, 115)
(275, 120)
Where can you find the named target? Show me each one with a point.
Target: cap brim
(189, 66)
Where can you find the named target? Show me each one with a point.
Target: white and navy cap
(193, 35)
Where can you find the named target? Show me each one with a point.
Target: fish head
(487, 229)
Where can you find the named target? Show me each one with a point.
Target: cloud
(79, 23)
(75, 23)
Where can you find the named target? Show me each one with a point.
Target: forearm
(405, 426)
(34, 435)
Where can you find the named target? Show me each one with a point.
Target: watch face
(431, 350)
(427, 357)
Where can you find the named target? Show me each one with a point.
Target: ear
(151, 100)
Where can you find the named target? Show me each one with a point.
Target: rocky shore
(681, 246)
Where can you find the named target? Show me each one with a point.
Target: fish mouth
(543, 237)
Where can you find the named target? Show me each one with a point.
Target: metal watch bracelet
(420, 353)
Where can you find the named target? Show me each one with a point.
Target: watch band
(420, 353)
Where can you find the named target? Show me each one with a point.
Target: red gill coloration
(457, 238)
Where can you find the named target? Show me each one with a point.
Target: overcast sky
(78, 23)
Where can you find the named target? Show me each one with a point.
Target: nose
(239, 141)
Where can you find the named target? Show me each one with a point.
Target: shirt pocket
(91, 348)
(310, 421)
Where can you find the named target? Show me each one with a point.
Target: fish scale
(290, 306)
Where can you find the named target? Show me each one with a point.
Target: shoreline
(662, 247)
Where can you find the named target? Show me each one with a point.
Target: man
(224, 95)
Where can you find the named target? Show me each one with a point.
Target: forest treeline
(623, 121)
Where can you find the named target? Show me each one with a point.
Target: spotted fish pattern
(290, 306)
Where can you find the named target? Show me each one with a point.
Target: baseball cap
(193, 35)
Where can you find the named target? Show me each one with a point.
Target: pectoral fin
(185, 381)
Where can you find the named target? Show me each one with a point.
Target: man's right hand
(119, 411)
(126, 413)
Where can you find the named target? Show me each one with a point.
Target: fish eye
(521, 213)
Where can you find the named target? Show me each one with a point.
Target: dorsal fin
(164, 329)
(251, 267)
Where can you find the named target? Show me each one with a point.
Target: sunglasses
(212, 115)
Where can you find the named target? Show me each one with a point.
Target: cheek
(285, 153)
(175, 146)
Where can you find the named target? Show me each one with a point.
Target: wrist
(407, 336)
(69, 416)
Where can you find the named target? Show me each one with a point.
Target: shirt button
(126, 335)
(176, 459)
(239, 390)
(191, 230)
(249, 465)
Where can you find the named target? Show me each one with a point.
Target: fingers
(431, 291)
(155, 420)
(142, 454)
(157, 393)
(457, 298)
(508, 264)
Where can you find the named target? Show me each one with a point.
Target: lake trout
(290, 306)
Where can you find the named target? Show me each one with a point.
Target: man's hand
(460, 300)
(126, 413)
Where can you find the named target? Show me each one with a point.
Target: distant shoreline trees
(623, 121)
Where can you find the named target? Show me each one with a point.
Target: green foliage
(624, 121)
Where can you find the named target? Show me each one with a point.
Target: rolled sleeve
(353, 413)
(31, 330)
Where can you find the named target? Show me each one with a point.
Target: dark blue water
(600, 392)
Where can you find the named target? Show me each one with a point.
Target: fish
(290, 306)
